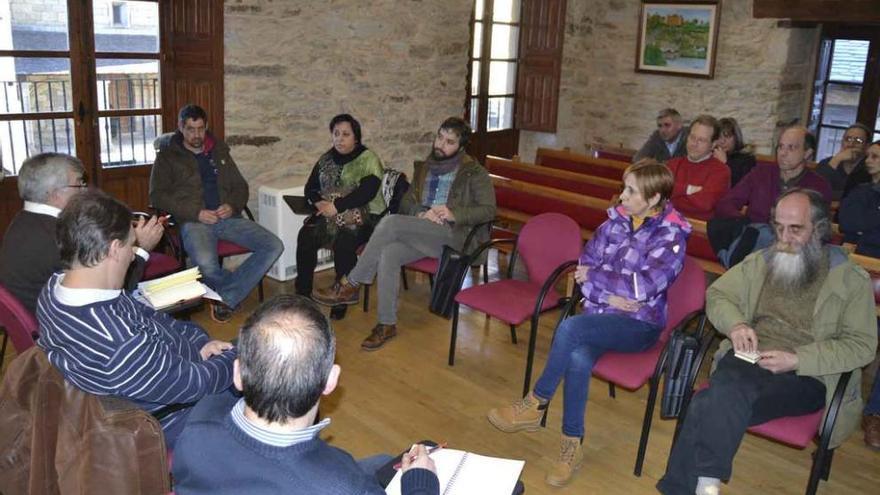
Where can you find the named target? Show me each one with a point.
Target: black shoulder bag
(681, 352)
(447, 281)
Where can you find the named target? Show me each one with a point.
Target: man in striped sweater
(106, 342)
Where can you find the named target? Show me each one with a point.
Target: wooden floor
(405, 392)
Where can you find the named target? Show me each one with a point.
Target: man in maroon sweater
(734, 235)
(700, 178)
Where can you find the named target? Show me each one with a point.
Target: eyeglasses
(854, 139)
(81, 185)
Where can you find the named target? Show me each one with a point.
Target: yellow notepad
(174, 288)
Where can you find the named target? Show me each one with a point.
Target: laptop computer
(299, 204)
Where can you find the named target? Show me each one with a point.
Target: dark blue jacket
(859, 219)
(213, 456)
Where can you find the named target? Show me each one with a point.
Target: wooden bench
(575, 162)
(518, 201)
(588, 185)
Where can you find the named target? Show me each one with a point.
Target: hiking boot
(379, 336)
(526, 414)
(571, 458)
(342, 292)
(220, 312)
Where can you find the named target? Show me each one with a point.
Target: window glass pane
(478, 9)
(474, 106)
(506, 11)
(830, 139)
(504, 41)
(33, 25)
(500, 114)
(126, 26)
(128, 140)
(848, 60)
(478, 40)
(20, 139)
(128, 84)
(502, 78)
(475, 78)
(34, 85)
(841, 104)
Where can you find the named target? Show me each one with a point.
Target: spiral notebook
(461, 472)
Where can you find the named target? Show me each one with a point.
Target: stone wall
(398, 66)
(763, 75)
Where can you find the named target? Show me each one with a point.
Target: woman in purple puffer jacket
(624, 272)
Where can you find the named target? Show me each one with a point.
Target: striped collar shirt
(274, 438)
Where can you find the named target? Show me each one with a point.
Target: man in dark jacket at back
(195, 180)
(267, 442)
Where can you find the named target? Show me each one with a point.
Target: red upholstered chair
(685, 301)
(797, 431)
(17, 323)
(549, 245)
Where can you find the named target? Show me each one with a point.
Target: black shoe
(220, 312)
(338, 312)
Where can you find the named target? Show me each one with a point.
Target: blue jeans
(579, 342)
(200, 242)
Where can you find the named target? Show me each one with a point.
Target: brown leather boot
(526, 414)
(379, 336)
(571, 457)
(342, 292)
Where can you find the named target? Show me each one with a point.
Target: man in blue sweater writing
(267, 442)
(105, 341)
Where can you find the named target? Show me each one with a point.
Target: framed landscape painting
(678, 38)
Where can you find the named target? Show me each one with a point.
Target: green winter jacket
(471, 199)
(175, 183)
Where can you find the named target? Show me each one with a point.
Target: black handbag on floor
(681, 352)
(447, 281)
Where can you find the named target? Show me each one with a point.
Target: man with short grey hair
(668, 141)
(29, 254)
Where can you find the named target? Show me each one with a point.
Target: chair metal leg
(612, 392)
(454, 334)
(533, 336)
(486, 272)
(513, 333)
(403, 278)
(826, 469)
(646, 425)
(3, 349)
(815, 471)
(366, 298)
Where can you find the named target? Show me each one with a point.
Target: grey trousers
(397, 240)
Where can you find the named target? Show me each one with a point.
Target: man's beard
(792, 268)
(437, 154)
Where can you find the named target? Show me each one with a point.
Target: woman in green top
(344, 187)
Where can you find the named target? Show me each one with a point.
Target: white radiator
(276, 216)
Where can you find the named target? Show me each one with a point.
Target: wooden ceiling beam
(849, 11)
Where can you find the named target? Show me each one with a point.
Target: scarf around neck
(340, 159)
